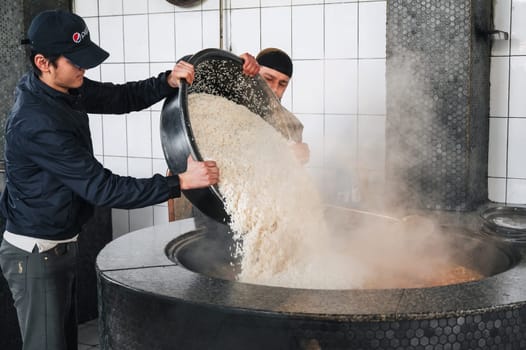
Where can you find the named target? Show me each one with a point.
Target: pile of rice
(278, 218)
(276, 210)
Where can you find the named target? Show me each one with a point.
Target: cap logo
(77, 37)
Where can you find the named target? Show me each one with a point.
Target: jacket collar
(35, 84)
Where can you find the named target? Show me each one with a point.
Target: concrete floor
(89, 336)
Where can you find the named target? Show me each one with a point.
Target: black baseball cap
(58, 32)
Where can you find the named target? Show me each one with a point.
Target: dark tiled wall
(16, 16)
(438, 102)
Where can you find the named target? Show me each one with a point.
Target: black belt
(59, 249)
(63, 248)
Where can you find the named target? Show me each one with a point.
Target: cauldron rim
(150, 271)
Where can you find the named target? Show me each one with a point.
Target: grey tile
(88, 334)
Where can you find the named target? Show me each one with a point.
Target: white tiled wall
(338, 87)
(507, 165)
(338, 49)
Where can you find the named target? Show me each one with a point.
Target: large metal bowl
(219, 73)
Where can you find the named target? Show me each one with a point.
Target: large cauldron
(172, 286)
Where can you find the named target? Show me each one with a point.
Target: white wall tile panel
(112, 72)
(136, 38)
(136, 71)
(140, 167)
(139, 134)
(117, 165)
(501, 19)
(517, 145)
(306, 2)
(308, 87)
(162, 37)
(341, 87)
(211, 37)
(95, 126)
(341, 21)
(267, 3)
(371, 140)
(245, 26)
(157, 150)
(109, 7)
(518, 28)
(100, 158)
(499, 86)
(159, 166)
(134, 7)
(188, 33)
(286, 99)
(196, 7)
(86, 8)
(93, 73)
(498, 147)
(341, 148)
(371, 88)
(160, 214)
(156, 6)
(313, 135)
(276, 28)
(210, 4)
(114, 135)
(372, 26)
(236, 4)
(111, 37)
(517, 86)
(516, 191)
(497, 189)
(307, 31)
(160, 67)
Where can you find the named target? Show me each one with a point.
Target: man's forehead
(274, 73)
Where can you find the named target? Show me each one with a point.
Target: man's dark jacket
(53, 179)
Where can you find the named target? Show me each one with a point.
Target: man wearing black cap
(276, 70)
(54, 180)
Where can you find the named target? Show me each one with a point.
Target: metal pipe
(221, 24)
(358, 211)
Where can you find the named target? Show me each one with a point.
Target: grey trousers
(43, 286)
